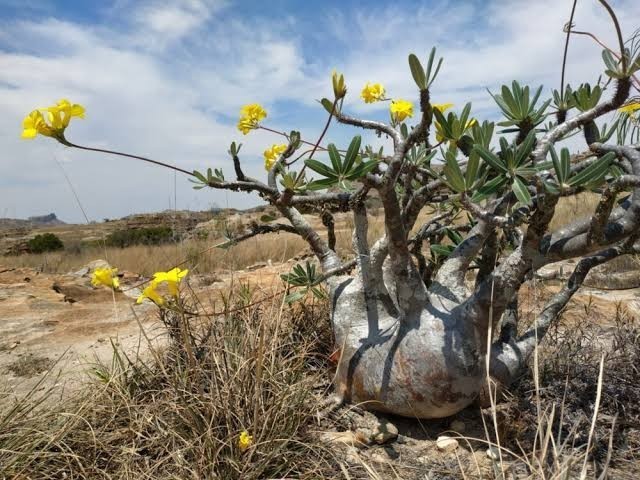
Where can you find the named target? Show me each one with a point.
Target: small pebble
(446, 444)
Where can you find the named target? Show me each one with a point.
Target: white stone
(446, 444)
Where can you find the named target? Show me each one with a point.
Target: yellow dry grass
(202, 255)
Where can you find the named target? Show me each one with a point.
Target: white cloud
(162, 24)
(169, 82)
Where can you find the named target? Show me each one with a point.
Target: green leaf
(454, 236)
(472, 168)
(521, 192)
(267, 218)
(609, 61)
(435, 74)
(489, 188)
(442, 121)
(565, 163)
(319, 293)
(296, 296)
(352, 153)
(199, 176)
(439, 250)
(557, 166)
(417, 72)
(327, 104)
(491, 159)
(336, 161)
(321, 168)
(322, 184)
(594, 172)
(361, 170)
(524, 149)
(452, 173)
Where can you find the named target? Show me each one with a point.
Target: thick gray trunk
(427, 364)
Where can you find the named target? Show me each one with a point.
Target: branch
(328, 258)
(256, 229)
(605, 206)
(330, 224)
(361, 247)
(450, 277)
(508, 358)
(344, 268)
(370, 125)
(559, 131)
(418, 200)
(573, 241)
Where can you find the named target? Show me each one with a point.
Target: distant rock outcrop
(49, 219)
(31, 222)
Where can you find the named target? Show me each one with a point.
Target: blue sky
(167, 79)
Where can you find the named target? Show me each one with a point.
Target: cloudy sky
(166, 79)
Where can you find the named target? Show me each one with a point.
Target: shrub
(47, 242)
(141, 236)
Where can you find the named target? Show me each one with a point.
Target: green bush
(141, 236)
(47, 242)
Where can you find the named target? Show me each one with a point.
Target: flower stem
(121, 154)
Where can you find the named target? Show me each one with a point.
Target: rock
(599, 277)
(493, 453)
(7, 347)
(348, 438)
(446, 444)
(376, 457)
(353, 456)
(127, 275)
(90, 267)
(379, 431)
(457, 426)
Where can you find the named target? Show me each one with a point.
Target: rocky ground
(61, 323)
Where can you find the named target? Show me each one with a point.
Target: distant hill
(31, 222)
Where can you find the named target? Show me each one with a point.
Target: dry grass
(199, 255)
(202, 257)
(178, 413)
(576, 414)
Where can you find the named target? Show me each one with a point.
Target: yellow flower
(400, 110)
(442, 107)
(250, 116)
(630, 108)
(172, 278)
(339, 88)
(272, 154)
(106, 277)
(372, 92)
(253, 111)
(34, 124)
(57, 120)
(68, 110)
(245, 440)
(151, 293)
(245, 125)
